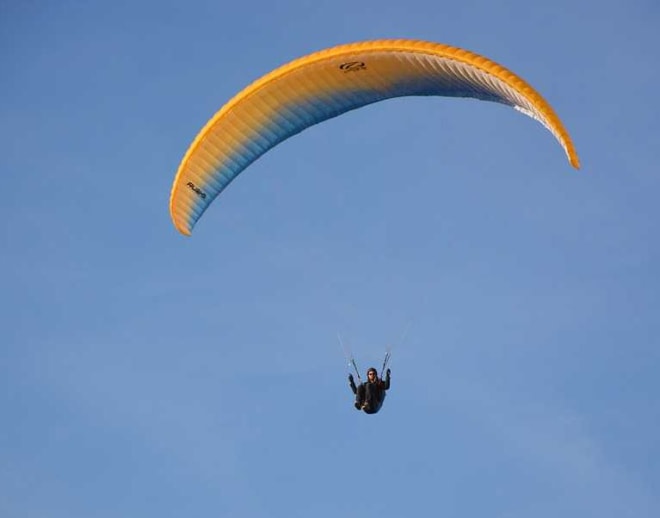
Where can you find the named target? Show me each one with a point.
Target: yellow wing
(326, 84)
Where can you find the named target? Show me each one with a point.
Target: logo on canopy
(353, 66)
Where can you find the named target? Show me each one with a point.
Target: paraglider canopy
(326, 84)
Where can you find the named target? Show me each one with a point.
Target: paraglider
(370, 395)
(326, 84)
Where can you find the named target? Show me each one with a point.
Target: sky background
(143, 373)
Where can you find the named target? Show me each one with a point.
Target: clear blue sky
(147, 374)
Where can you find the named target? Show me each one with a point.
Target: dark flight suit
(369, 396)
